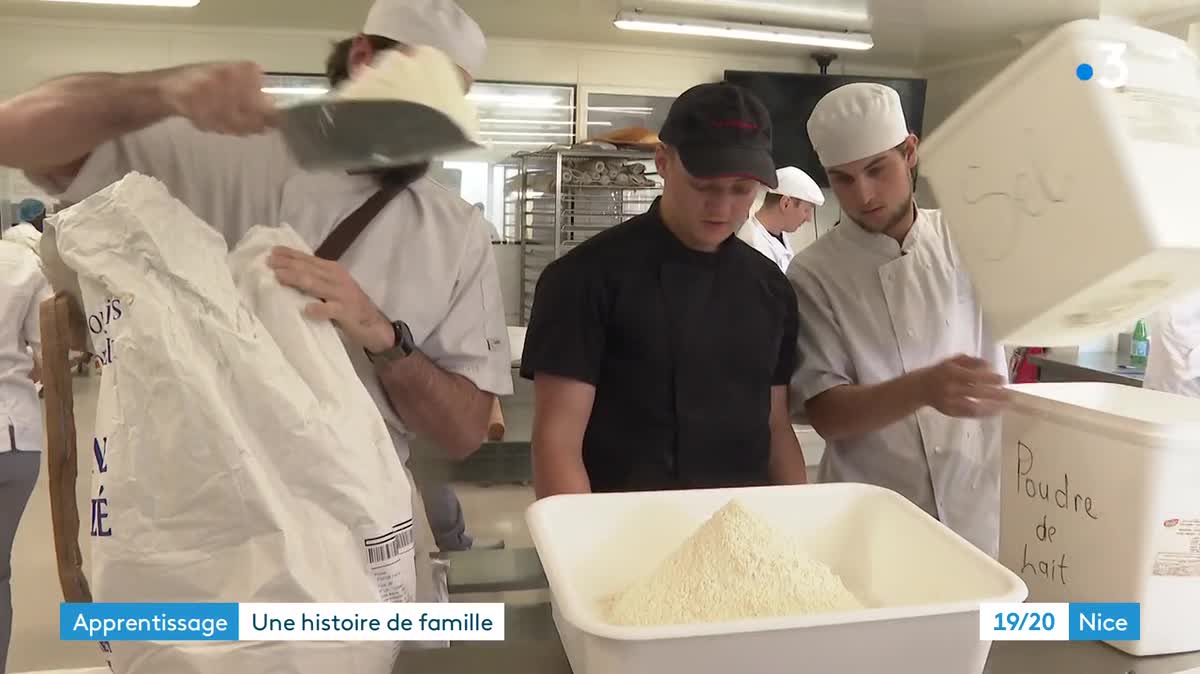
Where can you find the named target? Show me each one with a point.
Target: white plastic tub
(516, 342)
(923, 583)
(1115, 476)
(1072, 204)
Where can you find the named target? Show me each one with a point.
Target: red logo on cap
(735, 123)
(1171, 522)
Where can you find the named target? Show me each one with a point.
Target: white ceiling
(907, 33)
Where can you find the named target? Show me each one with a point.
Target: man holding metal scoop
(405, 267)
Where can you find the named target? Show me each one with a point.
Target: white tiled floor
(491, 512)
(36, 592)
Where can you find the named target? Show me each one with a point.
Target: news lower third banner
(281, 622)
(1061, 622)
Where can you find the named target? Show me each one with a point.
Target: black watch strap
(402, 348)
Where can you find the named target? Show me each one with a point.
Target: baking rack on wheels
(558, 198)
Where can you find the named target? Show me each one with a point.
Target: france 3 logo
(1113, 68)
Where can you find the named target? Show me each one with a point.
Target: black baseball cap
(719, 130)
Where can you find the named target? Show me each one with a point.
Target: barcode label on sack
(391, 560)
(388, 550)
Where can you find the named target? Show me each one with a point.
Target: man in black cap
(661, 349)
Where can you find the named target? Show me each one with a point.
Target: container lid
(1118, 406)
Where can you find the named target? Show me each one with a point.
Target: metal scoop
(360, 135)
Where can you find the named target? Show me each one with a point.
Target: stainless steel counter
(1105, 367)
(532, 647)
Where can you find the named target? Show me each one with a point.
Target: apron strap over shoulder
(344, 235)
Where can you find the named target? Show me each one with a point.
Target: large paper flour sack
(237, 458)
(317, 353)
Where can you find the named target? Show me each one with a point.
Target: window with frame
(609, 111)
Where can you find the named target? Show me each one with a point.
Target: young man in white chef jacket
(784, 210)
(896, 367)
(1174, 362)
(416, 296)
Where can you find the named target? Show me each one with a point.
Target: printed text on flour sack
(98, 323)
(1063, 505)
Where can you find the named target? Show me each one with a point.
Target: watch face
(404, 338)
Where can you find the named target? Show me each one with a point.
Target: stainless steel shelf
(553, 202)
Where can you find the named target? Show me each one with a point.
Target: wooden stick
(496, 425)
(63, 328)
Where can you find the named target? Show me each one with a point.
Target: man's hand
(342, 300)
(222, 97)
(964, 387)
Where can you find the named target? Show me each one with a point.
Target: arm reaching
(51, 129)
(560, 417)
(445, 407)
(961, 386)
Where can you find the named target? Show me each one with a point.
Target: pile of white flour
(736, 566)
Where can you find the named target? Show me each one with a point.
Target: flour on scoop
(421, 75)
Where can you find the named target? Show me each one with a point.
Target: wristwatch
(402, 348)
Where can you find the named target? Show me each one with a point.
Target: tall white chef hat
(856, 121)
(797, 184)
(441, 24)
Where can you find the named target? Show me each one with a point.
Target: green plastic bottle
(1139, 346)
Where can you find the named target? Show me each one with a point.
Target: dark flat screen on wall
(791, 97)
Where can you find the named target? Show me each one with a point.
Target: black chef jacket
(682, 347)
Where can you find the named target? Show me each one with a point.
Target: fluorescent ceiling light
(627, 20)
(139, 3)
(801, 10)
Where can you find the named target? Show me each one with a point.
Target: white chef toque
(856, 121)
(441, 24)
(797, 184)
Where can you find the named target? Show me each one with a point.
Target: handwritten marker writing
(1061, 502)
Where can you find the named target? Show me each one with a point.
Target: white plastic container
(923, 583)
(1072, 202)
(516, 342)
(1115, 475)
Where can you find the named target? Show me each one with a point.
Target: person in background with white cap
(784, 210)
(416, 296)
(896, 368)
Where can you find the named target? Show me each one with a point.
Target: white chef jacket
(25, 234)
(426, 259)
(1174, 362)
(872, 310)
(755, 233)
(23, 288)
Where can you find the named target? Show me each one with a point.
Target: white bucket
(1072, 202)
(923, 584)
(1100, 503)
